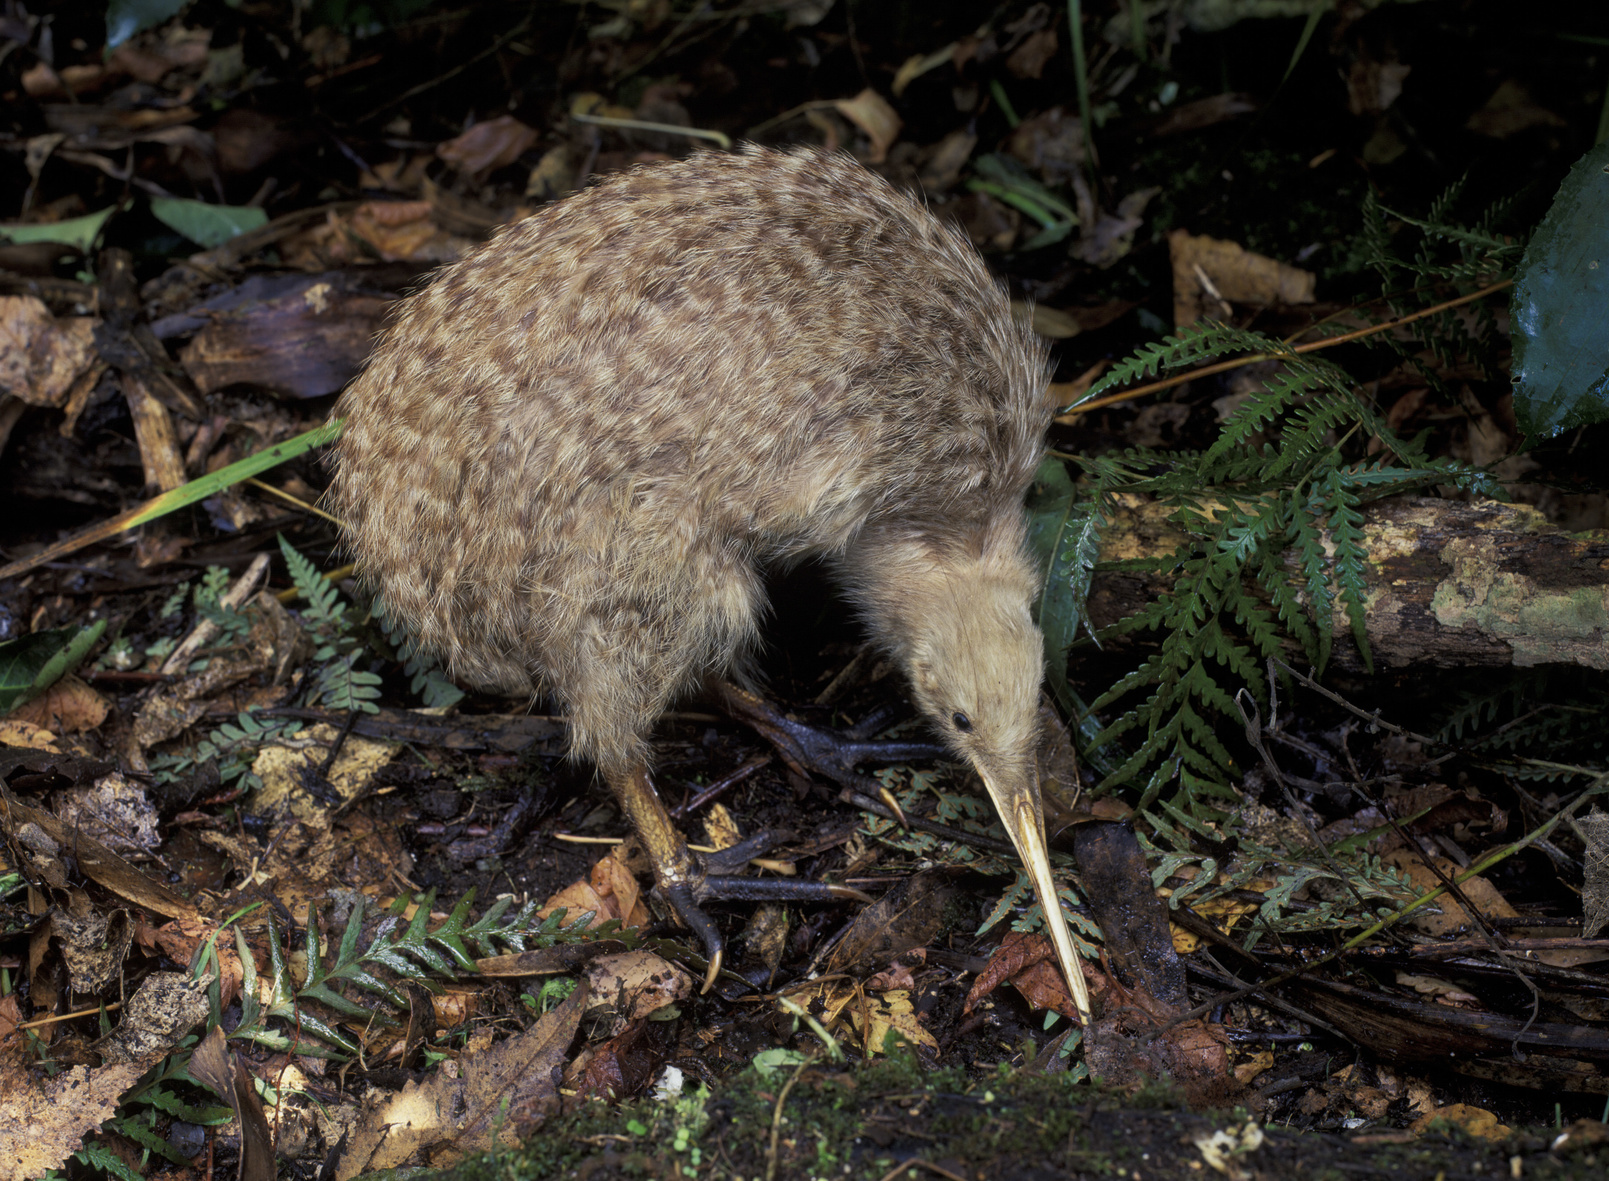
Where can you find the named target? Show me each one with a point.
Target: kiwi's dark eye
(962, 723)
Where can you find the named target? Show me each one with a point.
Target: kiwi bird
(572, 457)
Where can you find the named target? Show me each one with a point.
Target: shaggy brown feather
(573, 453)
(572, 456)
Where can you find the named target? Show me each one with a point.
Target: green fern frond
(324, 610)
(1271, 513)
(1340, 507)
(1200, 341)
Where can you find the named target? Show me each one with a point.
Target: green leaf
(1560, 309)
(207, 225)
(1066, 540)
(78, 232)
(32, 664)
(124, 18)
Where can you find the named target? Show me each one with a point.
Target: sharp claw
(850, 894)
(714, 971)
(680, 897)
(893, 806)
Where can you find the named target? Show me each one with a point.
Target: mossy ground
(894, 1118)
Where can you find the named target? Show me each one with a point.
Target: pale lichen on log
(1450, 584)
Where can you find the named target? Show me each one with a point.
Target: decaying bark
(1451, 584)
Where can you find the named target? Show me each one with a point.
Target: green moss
(863, 1120)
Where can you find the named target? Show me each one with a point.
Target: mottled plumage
(573, 455)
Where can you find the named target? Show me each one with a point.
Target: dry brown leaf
(907, 917)
(1064, 393)
(1509, 111)
(400, 231)
(609, 891)
(900, 974)
(282, 766)
(1208, 271)
(825, 1000)
(635, 984)
(67, 707)
(1453, 919)
(1255, 1064)
(98, 863)
(1028, 60)
(44, 1119)
(619, 1068)
(114, 810)
(1017, 951)
(1203, 112)
(720, 829)
(486, 1093)
(878, 1016)
(41, 356)
(215, 1066)
(1476, 1121)
(870, 112)
(181, 938)
(1109, 237)
(163, 1010)
(488, 145)
(1371, 86)
(1051, 143)
(26, 735)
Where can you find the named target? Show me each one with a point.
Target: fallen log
(1450, 584)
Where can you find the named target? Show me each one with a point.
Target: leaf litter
(248, 800)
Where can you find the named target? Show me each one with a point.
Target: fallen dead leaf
(67, 707)
(609, 891)
(1247, 1071)
(215, 1066)
(116, 811)
(43, 1120)
(496, 1091)
(26, 735)
(41, 356)
(488, 145)
(1209, 271)
(1028, 60)
(1509, 111)
(892, 1012)
(1453, 918)
(619, 1068)
(165, 1007)
(1476, 1121)
(1371, 86)
(635, 984)
(283, 768)
(870, 112)
(1028, 963)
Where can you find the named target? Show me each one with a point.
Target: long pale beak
(1020, 811)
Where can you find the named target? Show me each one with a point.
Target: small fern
(974, 814)
(425, 676)
(96, 1155)
(396, 950)
(339, 684)
(233, 747)
(1272, 513)
(1353, 889)
(1556, 711)
(1435, 252)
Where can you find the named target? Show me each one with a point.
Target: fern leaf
(319, 592)
(1346, 533)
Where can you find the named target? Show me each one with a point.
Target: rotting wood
(1451, 584)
